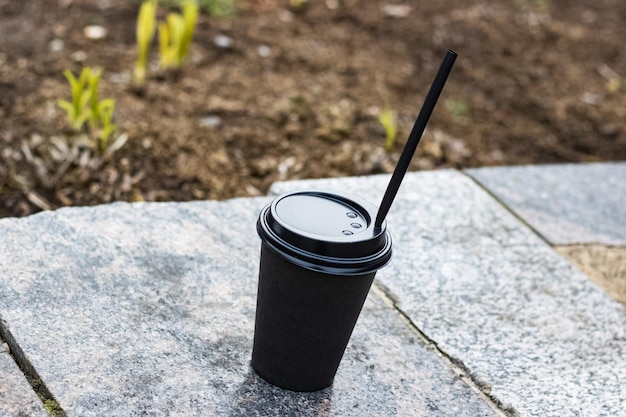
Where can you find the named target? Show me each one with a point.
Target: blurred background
(281, 89)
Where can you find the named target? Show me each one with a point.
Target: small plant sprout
(457, 108)
(86, 106)
(176, 33)
(613, 85)
(190, 18)
(93, 81)
(385, 118)
(170, 34)
(219, 8)
(296, 4)
(145, 34)
(77, 110)
(105, 112)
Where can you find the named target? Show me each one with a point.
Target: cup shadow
(257, 398)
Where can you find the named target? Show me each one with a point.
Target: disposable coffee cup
(319, 254)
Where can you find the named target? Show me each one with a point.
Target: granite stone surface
(17, 398)
(147, 309)
(533, 332)
(567, 204)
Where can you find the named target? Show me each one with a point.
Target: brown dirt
(604, 265)
(536, 81)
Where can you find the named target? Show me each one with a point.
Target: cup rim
(362, 253)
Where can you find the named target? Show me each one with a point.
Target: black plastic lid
(331, 233)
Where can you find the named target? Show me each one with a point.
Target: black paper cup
(319, 255)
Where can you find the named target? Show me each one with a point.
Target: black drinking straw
(415, 136)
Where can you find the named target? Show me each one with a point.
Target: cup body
(304, 320)
(312, 286)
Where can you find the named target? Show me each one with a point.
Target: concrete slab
(148, 310)
(17, 398)
(532, 331)
(567, 204)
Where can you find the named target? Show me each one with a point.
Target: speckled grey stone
(567, 204)
(17, 398)
(533, 332)
(148, 310)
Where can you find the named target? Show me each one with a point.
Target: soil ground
(298, 93)
(606, 266)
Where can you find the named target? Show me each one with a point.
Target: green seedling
(190, 18)
(218, 8)
(86, 106)
(93, 81)
(297, 4)
(105, 111)
(457, 108)
(385, 118)
(176, 33)
(170, 34)
(77, 110)
(145, 34)
(613, 85)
